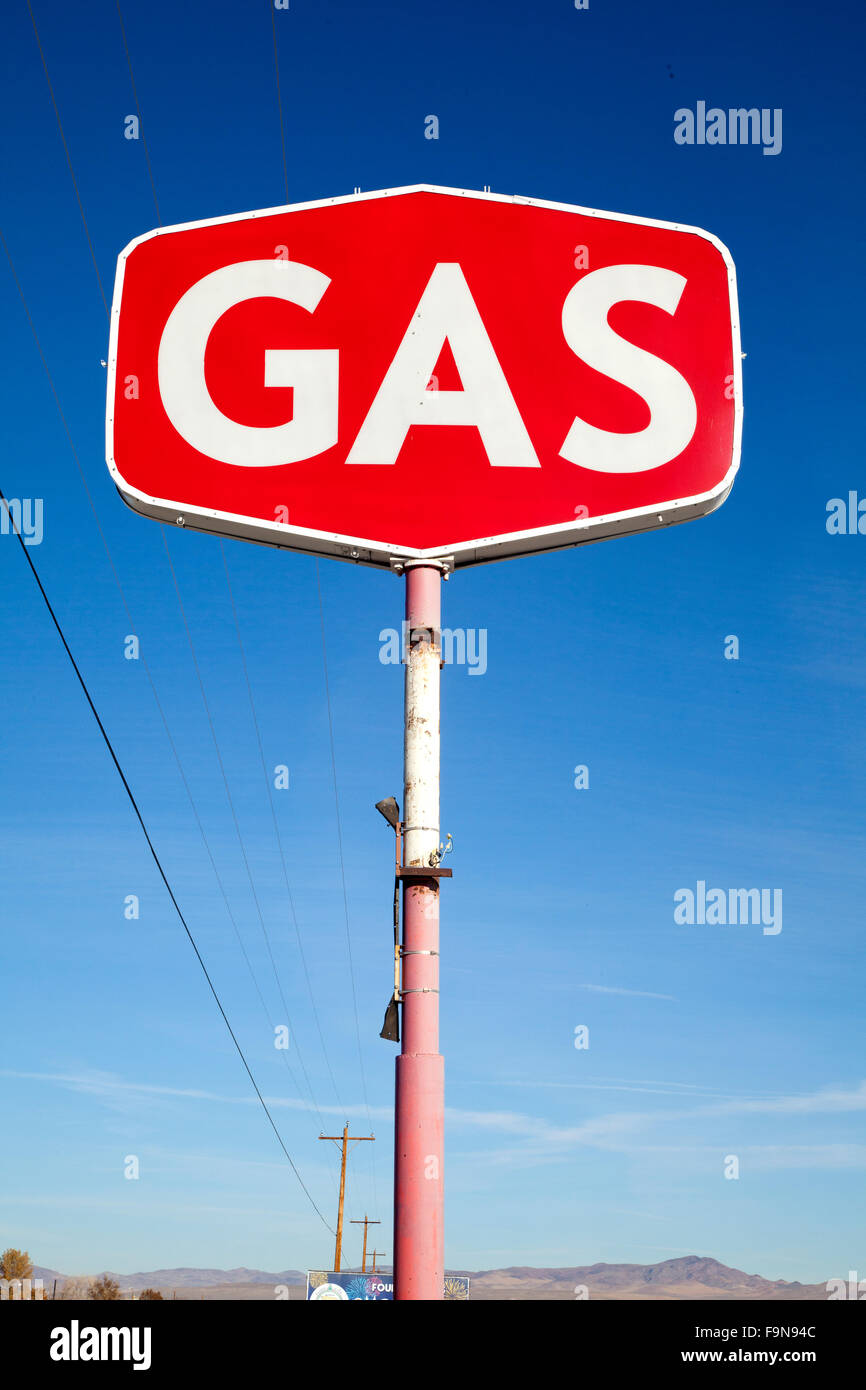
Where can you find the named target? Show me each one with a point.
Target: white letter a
(446, 310)
(60, 1338)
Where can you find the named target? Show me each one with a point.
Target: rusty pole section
(419, 1249)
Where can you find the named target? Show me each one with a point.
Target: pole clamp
(444, 563)
(422, 871)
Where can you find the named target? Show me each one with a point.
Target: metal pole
(419, 1253)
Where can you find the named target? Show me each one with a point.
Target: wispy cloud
(107, 1085)
(835, 1101)
(772, 1156)
(594, 1131)
(539, 1140)
(650, 1088)
(633, 993)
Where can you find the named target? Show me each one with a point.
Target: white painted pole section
(421, 735)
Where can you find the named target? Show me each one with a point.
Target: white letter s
(673, 411)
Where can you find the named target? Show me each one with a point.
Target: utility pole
(419, 1247)
(365, 1223)
(375, 1253)
(345, 1138)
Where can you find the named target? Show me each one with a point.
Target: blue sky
(705, 1041)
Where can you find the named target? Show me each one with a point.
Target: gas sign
(424, 372)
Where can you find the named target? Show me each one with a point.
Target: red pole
(419, 1248)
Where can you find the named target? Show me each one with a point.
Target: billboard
(424, 372)
(350, 1285)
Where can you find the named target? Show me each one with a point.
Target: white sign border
(563, 535)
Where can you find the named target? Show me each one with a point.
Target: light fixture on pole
(391, 811)
(389, 808)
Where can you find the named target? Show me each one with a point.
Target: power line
(276, 823)
(105, 305)
(279, 98)
(151, 847)
(327, 687)
(143, 657)
(68, 157)
(234, 816)
(201, 683)
(105, 543)
(243, 658)
(141, 129)
(148, 673)
(342, 864)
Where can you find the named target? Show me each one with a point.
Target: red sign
(424, 372)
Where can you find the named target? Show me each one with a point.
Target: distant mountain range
(689, 1277)
(183, 1278)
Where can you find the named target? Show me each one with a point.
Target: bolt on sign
(424, 372)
